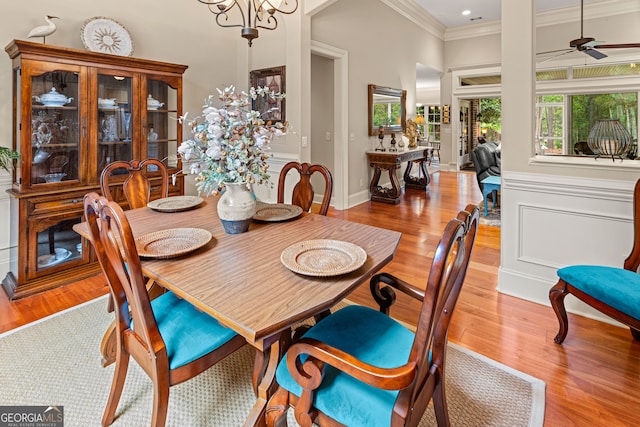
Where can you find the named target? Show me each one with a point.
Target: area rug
(56, 361)
(493, 214)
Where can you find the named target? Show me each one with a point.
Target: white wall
(383, 49)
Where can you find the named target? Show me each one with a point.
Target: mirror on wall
(387, 108)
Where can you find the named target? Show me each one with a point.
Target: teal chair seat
(610, 290)
(370, 336)
(187, 332)
(616, 287)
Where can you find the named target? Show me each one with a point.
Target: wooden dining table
(240, 280)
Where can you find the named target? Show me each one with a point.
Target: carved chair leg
(635, 333)
(109, 345)
(160, 404)
(276, 412)
(117, 384)
(556, 296)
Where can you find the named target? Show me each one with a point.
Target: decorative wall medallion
(105, 35)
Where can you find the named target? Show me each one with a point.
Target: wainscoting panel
(549, 222)
(542, 226)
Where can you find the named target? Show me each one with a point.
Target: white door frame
(340, 119)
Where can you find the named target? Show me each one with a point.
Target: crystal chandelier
(250, 14)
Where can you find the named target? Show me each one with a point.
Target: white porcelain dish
(106, 35)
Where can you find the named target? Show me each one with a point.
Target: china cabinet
(75, 112)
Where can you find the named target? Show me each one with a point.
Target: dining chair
(137, 190)
(360, 367)
(136, 186)
(303, 192)
(168, 337)
(613, 291)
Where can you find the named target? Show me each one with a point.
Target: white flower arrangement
(230, 144)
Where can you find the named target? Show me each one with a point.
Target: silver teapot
(53, 98)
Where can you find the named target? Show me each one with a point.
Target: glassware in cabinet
(115, 118)
(54, 127)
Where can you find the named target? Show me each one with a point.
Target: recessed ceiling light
(466, 12)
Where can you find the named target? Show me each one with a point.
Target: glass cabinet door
(162, 122)
(115, 109)
(54, 127)
(57, 245)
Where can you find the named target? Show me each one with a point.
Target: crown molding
(311, 7)
(416, 14)
(553, 17)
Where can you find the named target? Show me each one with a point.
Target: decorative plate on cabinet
(105, 35)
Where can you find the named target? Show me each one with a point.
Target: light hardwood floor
(592, 379)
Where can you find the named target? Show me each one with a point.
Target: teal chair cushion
(616, 287)
(187, 332)
(370, 336)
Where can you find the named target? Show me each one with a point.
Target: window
(432, 115)
(550, 124)
(566, 134)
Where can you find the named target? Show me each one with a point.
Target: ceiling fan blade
(593, 43)
(594, 53)
(555, 51)
(618, 45)
(557, 55)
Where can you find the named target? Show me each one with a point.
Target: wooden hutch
(74, 112)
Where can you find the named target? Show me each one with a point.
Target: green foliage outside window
(491, 110)
(386, 114)
(587, 109)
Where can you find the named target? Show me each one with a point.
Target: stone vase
(236, 207)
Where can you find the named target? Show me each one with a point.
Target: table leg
(385, 194)
(423, 178)
(486, 208)
(264, 377)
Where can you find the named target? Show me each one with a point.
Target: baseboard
(536, 289)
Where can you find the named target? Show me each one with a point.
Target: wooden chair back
(422, 377)
(116, 251)
(303, 192)
(200, 339)
(448, 271)
(137, 185)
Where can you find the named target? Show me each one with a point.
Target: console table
(392, 160)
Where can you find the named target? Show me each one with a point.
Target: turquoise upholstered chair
(169, 338)
(613, 291)
(359, 367)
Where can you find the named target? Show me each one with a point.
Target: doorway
(332, 143)
(465, 133)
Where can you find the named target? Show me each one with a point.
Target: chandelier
(250, 14)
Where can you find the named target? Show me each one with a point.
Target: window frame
(583, 86)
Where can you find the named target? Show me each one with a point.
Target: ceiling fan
(588, 44)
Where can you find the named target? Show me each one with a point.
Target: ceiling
(449, 12)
